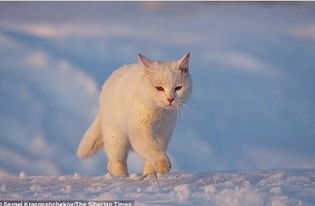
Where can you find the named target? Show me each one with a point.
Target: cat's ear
(145, 61)
(184, 63)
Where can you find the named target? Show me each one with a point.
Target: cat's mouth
(170, 106)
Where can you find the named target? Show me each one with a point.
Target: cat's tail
(92, 140)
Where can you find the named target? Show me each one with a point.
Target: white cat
(138, 108)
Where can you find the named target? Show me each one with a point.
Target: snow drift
(242, 188)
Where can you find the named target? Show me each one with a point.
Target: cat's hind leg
(116, 147)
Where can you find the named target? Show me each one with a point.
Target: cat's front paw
(117, 168)
(162, 166)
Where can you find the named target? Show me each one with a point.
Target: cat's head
(170, 83)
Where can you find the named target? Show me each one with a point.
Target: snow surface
(268, 187)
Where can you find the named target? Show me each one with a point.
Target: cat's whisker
(179, 111)
(190, 109)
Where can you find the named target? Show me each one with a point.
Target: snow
(233, 188)
(22, 175)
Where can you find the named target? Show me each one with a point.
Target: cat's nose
(170, 100)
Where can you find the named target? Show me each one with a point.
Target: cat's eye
(178, 88)
(159, 88)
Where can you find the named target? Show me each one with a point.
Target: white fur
(133, 114)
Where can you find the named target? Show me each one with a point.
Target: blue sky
(252, 65)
